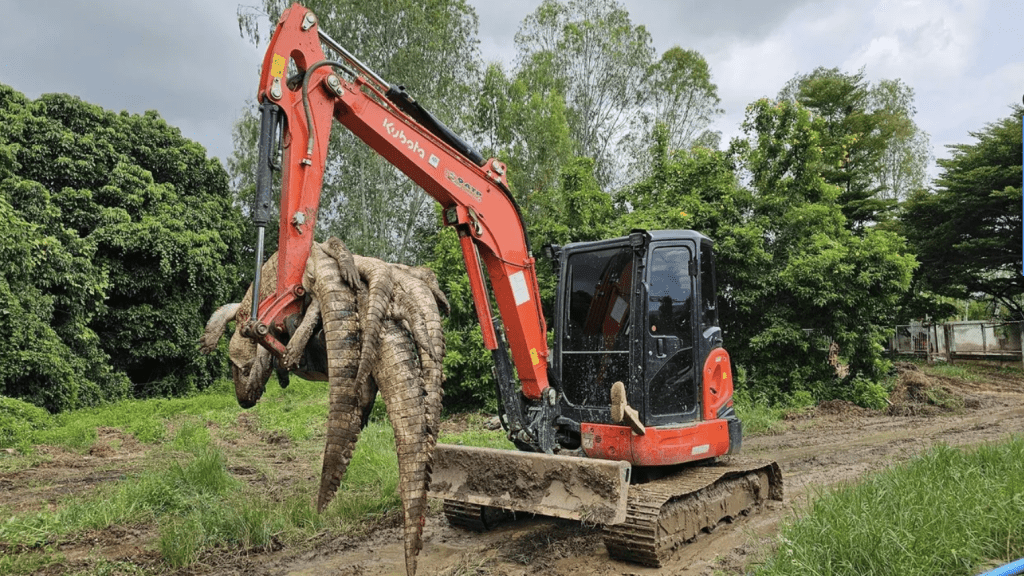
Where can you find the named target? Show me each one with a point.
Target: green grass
(186, 490)
(946, 512)
(959, 371)
(197, 484)
(299, 412)
(28, 562)
(477, 435)
(759, 419)
(971, 371)
(760, 416)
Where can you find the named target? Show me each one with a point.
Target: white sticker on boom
(702, 449)
(519, 290)
(619, 309)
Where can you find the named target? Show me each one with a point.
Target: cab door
(669, 334)
(595, 341)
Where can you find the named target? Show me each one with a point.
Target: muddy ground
(835, 443)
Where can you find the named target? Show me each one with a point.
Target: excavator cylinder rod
(562, 486)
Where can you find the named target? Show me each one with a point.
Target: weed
(759, 416)
(943, 513)
(958, 371)
(18, 422)
(470, 565)
(103, 567)
(943, 399)
(180, 541)
(192, 437)
(28, 562)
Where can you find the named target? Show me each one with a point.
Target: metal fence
(952, 340)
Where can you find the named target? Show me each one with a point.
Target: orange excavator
(627, 420)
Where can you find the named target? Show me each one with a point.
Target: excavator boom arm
(309, 91)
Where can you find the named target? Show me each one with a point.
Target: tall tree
(431, 48)
(874, 151)
(593, 54)
(813, 278)
(968, 232)
(681, 97)
(902, 167)
(527, 129)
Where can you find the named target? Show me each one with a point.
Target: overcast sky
(185, 58)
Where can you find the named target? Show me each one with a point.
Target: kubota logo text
(399, 135)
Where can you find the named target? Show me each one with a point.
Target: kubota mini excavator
(622, 422)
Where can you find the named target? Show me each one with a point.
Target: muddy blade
(665, 514)
(562, 486)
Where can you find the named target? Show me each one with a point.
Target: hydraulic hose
(305, 98)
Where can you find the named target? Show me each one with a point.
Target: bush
(120, 240)
(18, 422)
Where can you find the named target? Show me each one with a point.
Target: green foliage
(528, 129)
(574, 211)
(50, 291)
(682, 100)
(820, 277)
(615, 89)
(946, 512)
(967, 234)
(593, 54)
(872, 149)
(19, 421)
(867, 393)
(122, 241)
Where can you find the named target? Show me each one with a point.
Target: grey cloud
(184, 59)
(749, 20)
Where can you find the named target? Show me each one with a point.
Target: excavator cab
(640, 310)
(644, 407)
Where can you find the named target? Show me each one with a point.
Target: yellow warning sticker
(277, 66)
(534, 357)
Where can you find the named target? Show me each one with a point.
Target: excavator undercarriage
(643, 522)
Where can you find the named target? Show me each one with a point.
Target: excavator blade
(470, 479)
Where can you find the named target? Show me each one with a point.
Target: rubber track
(473, 516)
(663, 514)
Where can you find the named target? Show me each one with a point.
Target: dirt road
(835, 443)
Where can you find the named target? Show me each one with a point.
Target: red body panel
(486, 213)
(658, 446)
(717, 384)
